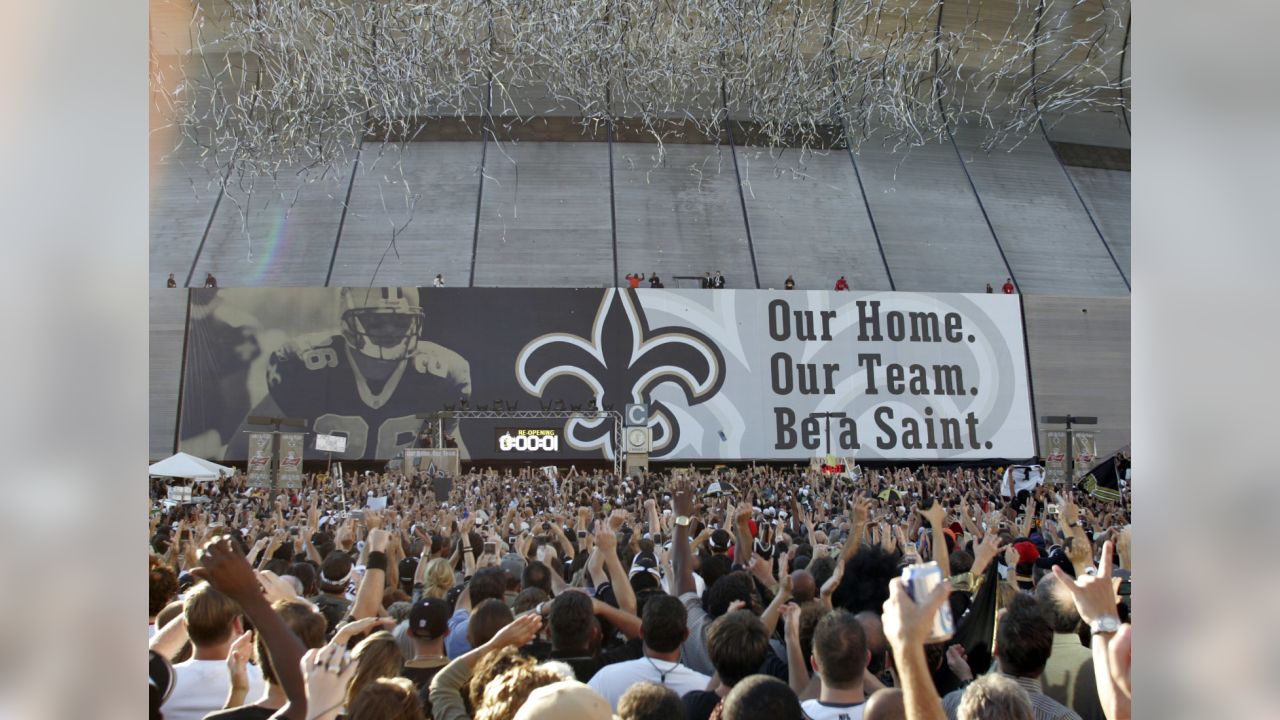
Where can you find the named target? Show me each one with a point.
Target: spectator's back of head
(738, 644)
(1058, 606)
(528, 599)
(1023, 638)
(737, 585)
(573, 624)
(162, 587)
(714, 568)
(840, 650)
(506, 693)
(377, 656)
(665, 624)
(487, 619)
(650, 701)
(303, 620)
(306, 574)
(803, 588)
(438, 579)
(335, 572)
(386, 699)
(761, 696)
(211, 616)
(536, 575)
(994, 697)
(885, 704)
(865, 585)
(490, 582)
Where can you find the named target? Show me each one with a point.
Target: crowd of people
(764, 592)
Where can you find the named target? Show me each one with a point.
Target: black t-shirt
(246, 712)
(422, 672)
(699, 704)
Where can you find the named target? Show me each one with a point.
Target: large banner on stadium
(728, 374)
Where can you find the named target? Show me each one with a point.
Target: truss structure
(436, 418)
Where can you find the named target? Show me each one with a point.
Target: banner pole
(1071, 455)
(275, 464)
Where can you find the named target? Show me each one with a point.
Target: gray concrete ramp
(1044, 228)
(1080, 362)
(680, 217)
(930, 223)
(441, 181)
(550, 226)
(291, 229)
(1106, 193)
(808, 219)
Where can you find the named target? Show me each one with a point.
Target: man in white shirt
(664, 628)
(201, 684)
(839, 658)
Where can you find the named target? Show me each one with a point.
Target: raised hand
(223, 567)
(1094, 595)
(378, 539)
(356, 628)
(275, 587)
(959, 663)
(907, 623)
(327, 672)
(238, 659)
(935, 513)
(606, 538)
(517, 633)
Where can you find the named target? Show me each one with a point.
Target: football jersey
(817, 710)
(317, 378)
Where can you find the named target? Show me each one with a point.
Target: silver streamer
(294, 87)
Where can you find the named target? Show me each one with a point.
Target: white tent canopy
(189, 466)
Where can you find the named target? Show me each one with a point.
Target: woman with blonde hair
(436, 578)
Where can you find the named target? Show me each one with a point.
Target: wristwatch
(682, 520)
(1105, 625)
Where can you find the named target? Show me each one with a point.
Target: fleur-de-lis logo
(623, 362)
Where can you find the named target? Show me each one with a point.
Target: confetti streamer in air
(292, 89)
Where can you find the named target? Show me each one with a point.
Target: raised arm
(369, 596)
(935, 514)
(607, 546)
(860, 509)
(682, 557)
(906, 625)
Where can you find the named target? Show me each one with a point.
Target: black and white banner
(730, 374)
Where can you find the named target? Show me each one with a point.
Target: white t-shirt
(612, 681)
(815, 709)
(201, 686)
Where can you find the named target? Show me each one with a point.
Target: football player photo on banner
(733, 374)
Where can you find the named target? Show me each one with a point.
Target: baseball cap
(565, 699)
(429, 618)
(644, 562)
(513, 564)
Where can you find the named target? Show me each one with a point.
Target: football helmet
(381, 323)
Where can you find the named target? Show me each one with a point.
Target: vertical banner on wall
(1055, 458)
(291, 459)
(1086, 452)
(260, 459)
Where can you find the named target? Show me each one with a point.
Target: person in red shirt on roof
(633, 281)
(1008, 286)
(842, 284)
